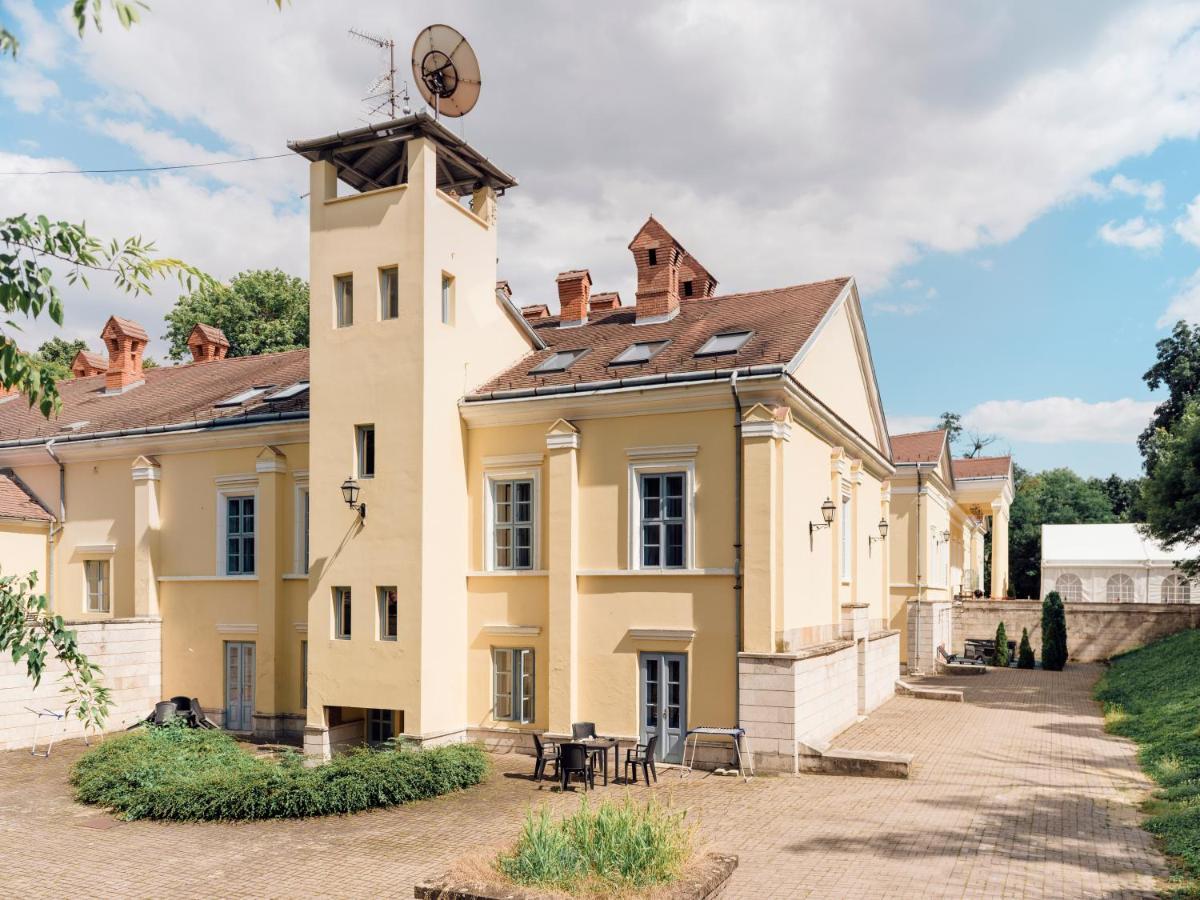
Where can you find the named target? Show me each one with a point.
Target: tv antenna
(446, 71)
(384, 99)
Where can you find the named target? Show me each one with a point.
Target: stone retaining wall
(129, 653)
(882, 654)
(1095, 631)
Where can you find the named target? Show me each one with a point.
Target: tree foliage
(967, 442)
(1054, 633)
(1171, 494)
(260, 311)
(1053, 497)
(1000, 658)
(1025, 658)
(1177, 368)
(58, 354)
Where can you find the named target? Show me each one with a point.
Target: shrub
(617, 846)
(1025, 651)
(195, 775)
(1001, 656)
(1054, 633)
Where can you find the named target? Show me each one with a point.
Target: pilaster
(270, 466)
(763, 431)
(999, 550)
(562, 520)
(146, 474)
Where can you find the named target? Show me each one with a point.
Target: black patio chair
(642, 755)
(544, 755)
(954, 659)
(581, 731)
(574, 759)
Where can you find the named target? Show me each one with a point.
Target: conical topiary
(1025, 651)
(1054, 633)
(1001, 657)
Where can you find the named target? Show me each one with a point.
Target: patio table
(599, 746)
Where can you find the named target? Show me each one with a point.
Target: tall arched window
(1175, 589)
(1119, 589)
(1069, 587)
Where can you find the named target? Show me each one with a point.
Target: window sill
(295, 576)
(208, 578)
(510, 573)
(612, 573)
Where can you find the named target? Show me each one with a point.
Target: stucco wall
(23, 550)
(1095, 631)
(130, 654)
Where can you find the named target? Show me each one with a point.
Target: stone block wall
(930, 623)
(882, 654)
(1095, 631)
(129, 653)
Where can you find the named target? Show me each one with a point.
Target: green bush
(1054, 633)
(1152, 696)
(618, 846)
(1025, 651)
(1000, 658)
(197, 775)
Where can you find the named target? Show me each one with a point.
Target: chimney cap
(575, 275)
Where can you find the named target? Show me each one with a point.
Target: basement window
(730, 342)
(641, 352)
(558, 361)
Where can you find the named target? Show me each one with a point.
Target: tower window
(687, 289)
(653, 257)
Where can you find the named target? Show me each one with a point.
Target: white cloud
(1151, 192)
(1187, 226)
(899, 309)
(987, 264)
(911, 284)
(1054, 420)
(1135, 233)
(1096, 83)
(909, 424)
(26, 84)
(1185, 304)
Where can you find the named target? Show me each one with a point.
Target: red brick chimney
(86, 364)
(605, 300)
(657, 256)
(207, 342)
(574, 291)
(126, 342)
(535, 311)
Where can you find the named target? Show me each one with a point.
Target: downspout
(920, 545)
(56, 527)
(738, 592)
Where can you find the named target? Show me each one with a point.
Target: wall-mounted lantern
(827, 511)
(883, 530)
(350, 491)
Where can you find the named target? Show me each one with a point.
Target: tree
(1025, 651)
(975, 441)
(1171, 494)
(1000, 658)
(951, 423)
(1124, 495)
(58, 354)
(260, 311)
(1053, 497)
(1054, 633)
(1177, 368)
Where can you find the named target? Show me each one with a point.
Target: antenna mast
(387, 99)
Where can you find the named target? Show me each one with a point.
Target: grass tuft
(193, 775)
(1152, 696)
(611, 848)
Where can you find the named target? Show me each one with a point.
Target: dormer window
(730, 342)
(641, 352)
(558, 361)
(653, 258)
(687, 289)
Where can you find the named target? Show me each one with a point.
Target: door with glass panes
(663, 699)
(239, 686)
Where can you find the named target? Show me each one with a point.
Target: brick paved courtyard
(1015, 793)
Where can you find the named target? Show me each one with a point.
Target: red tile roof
(781, 321)
(982, 467)
(16, 502)
(918, 446)
(171, 395)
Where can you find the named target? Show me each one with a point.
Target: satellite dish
(446, 70)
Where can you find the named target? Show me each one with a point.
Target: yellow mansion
(456, 518)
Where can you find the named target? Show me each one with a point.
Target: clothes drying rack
(738, 735)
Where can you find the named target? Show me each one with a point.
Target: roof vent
(207, 342)
(85, 364)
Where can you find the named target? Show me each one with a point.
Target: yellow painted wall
(23, 551)
(831, 371)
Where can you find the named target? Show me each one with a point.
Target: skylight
(239, 399)
(642, 351)
(558, 361)
(730, 342)
(290, 391)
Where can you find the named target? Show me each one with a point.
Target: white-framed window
(97, 585)
(1069, 587)
(1175, 589)
(389, 614)
(513, 515)
(727, 342)
(512, 684)
(381, 725)
(303, 520)
(847, 531)
(1119, 589)
(662, 515)
(342, 609)
(389, 293)
(304, 674)
(511, 535)
(239, 534)
(447, 299)
(364, 443)
(343, 300)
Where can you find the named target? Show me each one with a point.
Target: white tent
(1112, 564)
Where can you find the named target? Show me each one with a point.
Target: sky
(1013, 186)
